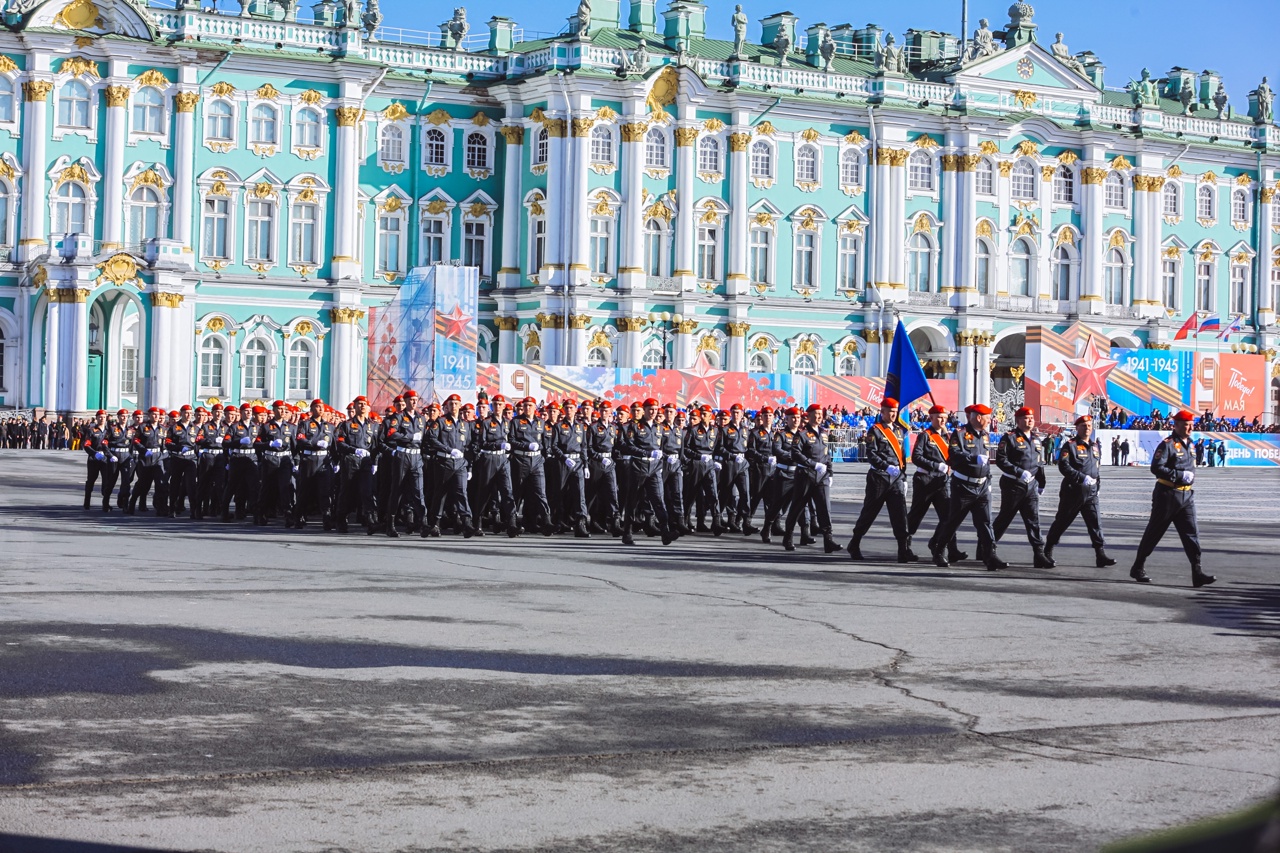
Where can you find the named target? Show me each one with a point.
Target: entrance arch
(121, 347)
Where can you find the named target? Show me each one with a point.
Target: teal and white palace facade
(206, 203)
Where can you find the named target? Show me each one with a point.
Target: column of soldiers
(585, 469)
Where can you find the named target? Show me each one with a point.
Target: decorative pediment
(1029, 68)
(99, 17)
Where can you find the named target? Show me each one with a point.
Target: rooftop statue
(1063, 54)
(782, 44)
(582, 21)
(827, 50)
(1220, 99)
(739, 33)
(1265, 97)
(983, 44)
(1143, 91)
(889, 58)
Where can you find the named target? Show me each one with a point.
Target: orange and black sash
(893, 441)
(941, 444)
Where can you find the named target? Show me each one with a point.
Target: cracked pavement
(198, 686)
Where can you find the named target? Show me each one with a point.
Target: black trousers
(779, 490)
(529, 488)
(211, 473)
(355, 489)
(702, 488)
(149, 475)
(183, 483)
(275, 486)
(602, 492)
(882, 492)
(672, 489)
(449, 492)
(926, 493)
(403, 484)
(1072, 501)
(119, 474)
(967, 500)
(314, 488)
(1171, 506)
(491, 480)
(735, 488)
(644, 484)
(573, 490)
(94, 471)
(241, 486)
(814, 494)
(1019, 498)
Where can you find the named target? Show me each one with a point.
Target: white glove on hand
(1089, 481)
(246, 441)
(361, 453)
(455, 453)
(586, 474)
(1026, 476)
(417, 436)
(773, 460)
(1186, 477)
(719, 466)
(373, 470)
(944, 468)
(820, 470)
(217, 441)
(740, 457)
(571, 464)
(982, 460)
(468, 476)
(506, 447)
(150, 452)
(657, 454)
(706, 457)
(275, 442)
(322, 443)
(606, 462)
(673, 460)
(1040, 490)
(98, 456)
(893, 470)
(533, 447)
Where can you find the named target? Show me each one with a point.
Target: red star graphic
(455, 323)
(1090, 372)
(700, 382)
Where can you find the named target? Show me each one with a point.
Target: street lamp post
(661, 323)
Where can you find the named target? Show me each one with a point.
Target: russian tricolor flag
(1212, 323)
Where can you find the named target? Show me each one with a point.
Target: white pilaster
(738, 282)
(1266, 240)
(686, 212)
(163, 319)
(950, 208)
(52, 353)
(580, 210)
(736, 348)
(1091, 217)
(683, 354)
(556, 207)
(184, 167)
(35, 187)
(113, 166)
(75, 316)
(512, 210)
(631, 273)
(506, 340)
(966, 224)
(346, 220)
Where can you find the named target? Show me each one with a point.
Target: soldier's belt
(1175, 486)
(977, 481)
(786, 467)
(277, 453)
(527, 452)
(495, 452)
(412, 451)
(315, 453)
(235, 452)
(573, 456)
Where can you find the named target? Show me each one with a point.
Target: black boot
(829, 545)
(955, 555)
(993, 561)
(513, 530)
(580, 530)
(1103, 560)
(938, 559)
(765, 535)
(906, 555)
(776, 529)
(747, 528)
(1199, 578)
(787, 542)
(1043, 560)
(670, 534)
(627, 538)
(1138, 573)
(855, 549)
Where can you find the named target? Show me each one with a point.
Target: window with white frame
(1275, 217)
(1275, 288)
(598, 357)
(264, 125)
(804, 365)
(435, 149)
(216, 212)
(541, 147)
(848, 261)
(601, 146)
(1169, 282)
(1113, 278)
(655, 243)
(1022, 181)
(708, 155)
(477, 149)
(70, 209)
(851, 168)
(533, 355)
(253, 378)
(806, 164)
(434, 240)
(761, 160)
(390, 241)
(982, 274)
(391, 145)
(920, 264)
(1239, 299)
(537, 244)
(1021, 255)
(600, 245)
(307, 128)
(920, 172)
(1240, 206)
(304, 231)
(1205, 198)
(475, 244)
(760, 254)
(847, 365)
(708, 256)
(760, 363)
(655, 149)
(220, 122)
(805, 268)
(1204, 286)
(6, 208)
(652, 357)
(260, 231)
(984, 178)
(148, 111)
(7, 100)
(1171, 196)
(1064, 185)
(129, 368)
(1113, 191)
(299, 369)
(1060, 286)
(74, 105)
(213, 352)
(144, 216)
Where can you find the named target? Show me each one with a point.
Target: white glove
(150, 452)
(217, 441)
(982, 460)
(322, 443)
(719, 466)
(586, 474)
(373, 470)
(1186, 477)
(893, 470)
(657, 454)
(468, 476)
(944, 468)
(1026, 476)
(98, 456)
(706, 457)
(606, 462)
(246, 441)
(533, 447)
(455, 453)
(417, 436)
(275, 442)
(571, 464)
(820, 470)
(773, 461)
(1089, 481)
(361, 453)
(1040, 490)
(506, 447)
(740, 457)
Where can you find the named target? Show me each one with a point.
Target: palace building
(203, 204)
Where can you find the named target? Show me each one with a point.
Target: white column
(739, 216)
(52, 350)
(577, 338)
(683, 355)
(1146, 250)
(950, 224)
(736, 350)
(881, 228)
(1262, 278)
(1091, 218)
(631, 273)
(512, 210)
(580, 208)
(967, 231)
(346, 195)
(964, 369)
(35, 184)
(184, 167)
(1000, 260)
(895, 288)
(113, 168)
(163, 317)
(76, 316)
(630, 341)
(555, 206)
(507, 339)
(983, 391)
(345, 379)
(1044, 264)
(686, 213)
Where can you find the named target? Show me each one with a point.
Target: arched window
(601, 146)
(598, 357)
(541, 147)
(433, 147)
(263, 128)
(920, 171)
(477, 151)
(805, 263)
(1204, 286)
(391, 145)
(253, 378)
(760, 363)
(219, 122)
(920, 264)
(1113, 278)
(300, 369)
(212, 357)
(712, 358)
(652, 357)
(144, 216)
(1238, 294)
(655, 238)
(537, 243)
(1172, 195)
(1061, 288)
(655, 149)
(709, 155)
(1204, 202)
(806, 164)
(7, 109)
(847, 365)
(1064, 186)
(1022, 183)
(848, 261)
(1020, 258)
(307, 129)
(982, 252)
(70, 209)
(850, 168)
(1240, 206)
(984, 178)
(148, 111)
(73, 105)
(804, 365)
(533, 355)
(6, 207)
(1113, 191)
(761, 160)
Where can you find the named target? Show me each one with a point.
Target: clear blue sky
(1234, 37)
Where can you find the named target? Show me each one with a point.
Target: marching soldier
(567, 453)
(759, 449)
(211, 467)
(1079, 462)
(526, 433)
(1173, 501)
(242, 460)
(813, 481)
(700, 445)
(639, 443)
(119, 461)
(356, 444)
(313, 440)
(931, 483)
(94, 444)
(671, 437)
(402, 436)
(602, 486)
(275, 482)
(886, 483)
(969, 455)
(734, 479)
(491, 468)
(181, 446)
(446, 441)
(782, 459)
(148, 444)
(1021, 481)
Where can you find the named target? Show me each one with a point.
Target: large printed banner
(1065, 372)
(426, 337)
(1243, 449)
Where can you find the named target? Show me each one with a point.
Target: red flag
(1188, 327)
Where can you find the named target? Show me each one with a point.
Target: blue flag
(905, 380)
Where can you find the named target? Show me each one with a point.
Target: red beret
(259, 410)
(217, 407)
(185, 408)
(528, 400)
(200, 409)
(277, 404)
(605, 404)
(814, 407)
(650, 402)
(467, 407)
(977, 409)
(1023, 410)
(507, 407)
(766, 411)
(397, 399)
(410, 393)
(1185, 415)
(794, 410)
(665, 405)
(137, 411)
(104, 411)
(246, 406)
(498, 398)
(154, 410)
(122, 411)
(317, 402)
(937, 410)
(1084, 419)
(736, 407)
(173, 414)
(452, 398)
(888, 403)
